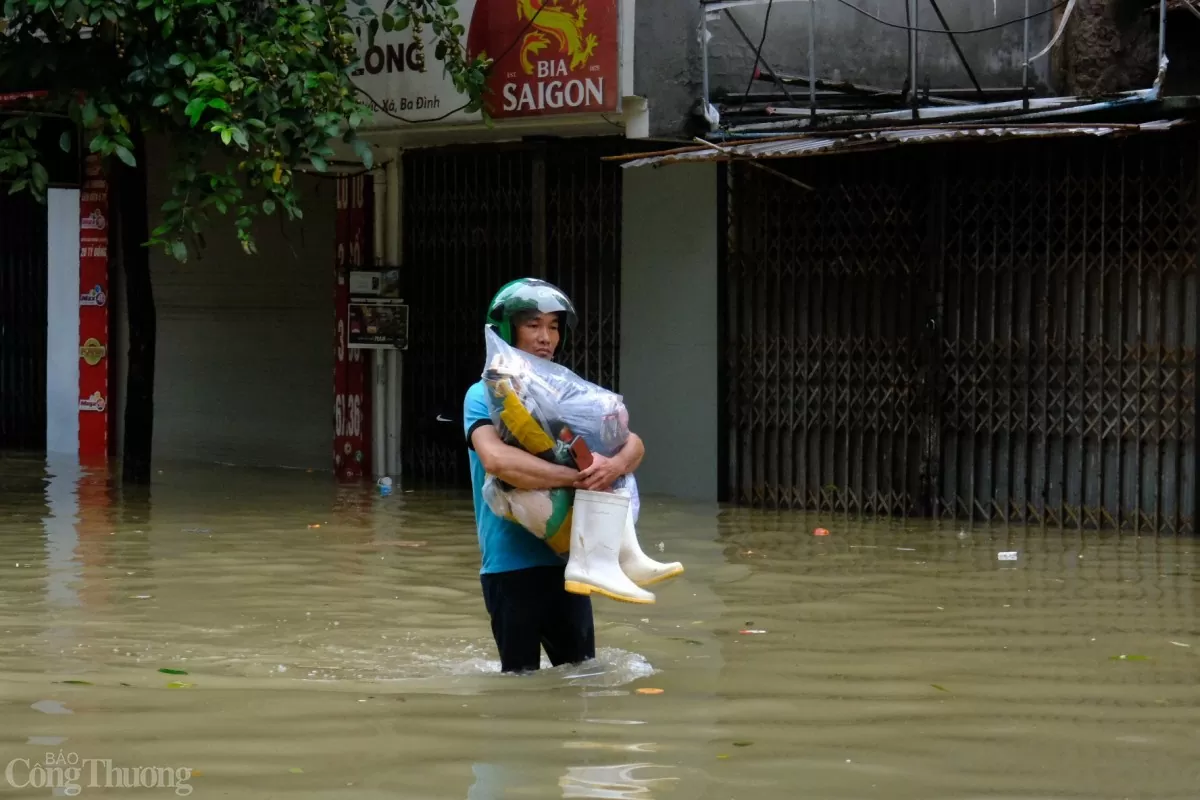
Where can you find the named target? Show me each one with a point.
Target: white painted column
(62, 323)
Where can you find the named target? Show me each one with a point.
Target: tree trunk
(139, 304)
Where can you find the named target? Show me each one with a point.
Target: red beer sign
(550, 57)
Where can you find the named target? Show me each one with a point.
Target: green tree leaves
(266, 85)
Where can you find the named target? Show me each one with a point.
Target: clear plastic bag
(541, 406)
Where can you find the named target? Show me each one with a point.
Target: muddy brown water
(353, 659)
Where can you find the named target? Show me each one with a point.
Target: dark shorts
(530, 610)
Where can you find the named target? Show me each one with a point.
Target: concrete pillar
(669, 354)
(62, 323)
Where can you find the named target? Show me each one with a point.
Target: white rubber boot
(639, 567)
(597, 526)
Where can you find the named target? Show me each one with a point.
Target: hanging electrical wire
(909, 27)
(758, 52)
(908, 58)
(995, 27)
(1062, 26)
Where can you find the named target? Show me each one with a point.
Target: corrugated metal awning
(825, 144)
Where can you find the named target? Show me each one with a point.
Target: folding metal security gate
(23, 275)
(1003, 332)
(475, 218)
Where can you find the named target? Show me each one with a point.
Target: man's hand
(601, 475)
(605, 471)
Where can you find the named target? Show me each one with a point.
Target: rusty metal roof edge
(803, 145)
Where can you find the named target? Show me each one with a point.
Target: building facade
(860, 333)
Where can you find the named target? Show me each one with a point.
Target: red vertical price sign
(351, 451)
(93, 315)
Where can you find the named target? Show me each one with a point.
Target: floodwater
(335, 646)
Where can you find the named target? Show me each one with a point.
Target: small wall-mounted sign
(92, 351)
(375, 283)
(378, 323)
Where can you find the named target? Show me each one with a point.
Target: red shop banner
(551, 57)
(93, 315)
(351, 451)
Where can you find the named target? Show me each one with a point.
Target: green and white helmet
(525, 295)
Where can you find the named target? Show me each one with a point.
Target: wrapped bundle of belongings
(549, 411)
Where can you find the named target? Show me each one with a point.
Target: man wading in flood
(522, 577)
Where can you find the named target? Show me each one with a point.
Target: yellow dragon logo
(551, 20)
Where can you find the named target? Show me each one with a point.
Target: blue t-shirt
(504, 544)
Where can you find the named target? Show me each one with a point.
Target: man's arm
(516, 467)
(603, 472)
(630, 456)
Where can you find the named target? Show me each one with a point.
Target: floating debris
(51, 707)
(169, 671)
(750, 631)
(821, 532)
(649, 690)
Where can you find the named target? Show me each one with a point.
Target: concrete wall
(849, 46)
(245, 343)
(668, 326)
(1112, 46)
(666, 61)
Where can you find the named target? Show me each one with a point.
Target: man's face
(537, 334)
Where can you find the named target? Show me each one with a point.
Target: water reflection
(629, 781)
(616, 782)
(333, 639)
(60, 527)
